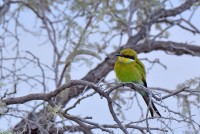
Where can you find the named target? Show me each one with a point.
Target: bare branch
(4, 8)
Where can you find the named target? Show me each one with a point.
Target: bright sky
(179, 69)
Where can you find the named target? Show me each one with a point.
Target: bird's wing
(140, 66)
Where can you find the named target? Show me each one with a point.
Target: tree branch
(4, 8)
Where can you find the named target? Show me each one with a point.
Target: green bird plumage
(129, 68)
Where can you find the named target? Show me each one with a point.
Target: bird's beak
(118, 55)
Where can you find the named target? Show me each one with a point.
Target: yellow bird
(129, 68)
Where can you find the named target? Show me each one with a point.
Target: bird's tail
(152, 107)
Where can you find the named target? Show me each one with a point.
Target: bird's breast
(127, 72)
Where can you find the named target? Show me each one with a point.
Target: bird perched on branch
(129, 68)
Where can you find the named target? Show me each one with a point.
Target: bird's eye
(129, 57)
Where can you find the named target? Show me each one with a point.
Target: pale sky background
(179, 69)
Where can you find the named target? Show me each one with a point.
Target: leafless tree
(41, 42)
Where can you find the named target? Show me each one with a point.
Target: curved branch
(173, 12)
(47, 96)
(169, 46)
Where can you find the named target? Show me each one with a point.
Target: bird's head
(127, 55)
